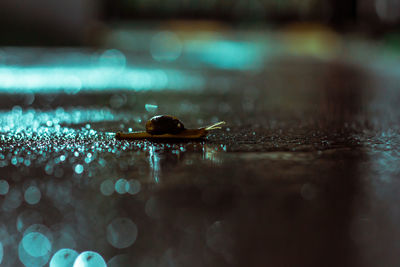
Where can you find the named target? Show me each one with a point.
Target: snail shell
(164, 124)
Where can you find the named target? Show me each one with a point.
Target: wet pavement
(305, 173)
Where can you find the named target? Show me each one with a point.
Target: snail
(166, 126)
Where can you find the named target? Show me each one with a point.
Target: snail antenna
(215, 126)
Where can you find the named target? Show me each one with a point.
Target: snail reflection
(155, 165)
(162, 160)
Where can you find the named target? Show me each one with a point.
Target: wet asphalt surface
(305, 172)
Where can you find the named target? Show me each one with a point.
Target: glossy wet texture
(304, 174)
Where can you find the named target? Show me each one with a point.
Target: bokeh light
(27, 218)
(34, 250)
(121, 232)
(95, 78)
(107, 187)
(64, 237)
(388, 10)
(89, 259)
(120, 186)
(117, 101)
(114, 58)
(133, 187)
(32, 195)
(78, 168)
(13, 200)
(63, 258)
(36, 244)
(42, 229)
(4, 187)
(226, 54)
(165, 46)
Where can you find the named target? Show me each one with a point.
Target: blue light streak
(38, 79)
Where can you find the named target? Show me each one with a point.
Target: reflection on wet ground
(304, 174)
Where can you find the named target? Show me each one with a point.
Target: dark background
(84, 22)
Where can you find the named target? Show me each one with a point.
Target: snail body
(168, 127)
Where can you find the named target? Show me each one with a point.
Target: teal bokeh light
(225, 54)
(72, 80)
(89, 259)
(34, 250)
(63, 258)
(36, 244)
